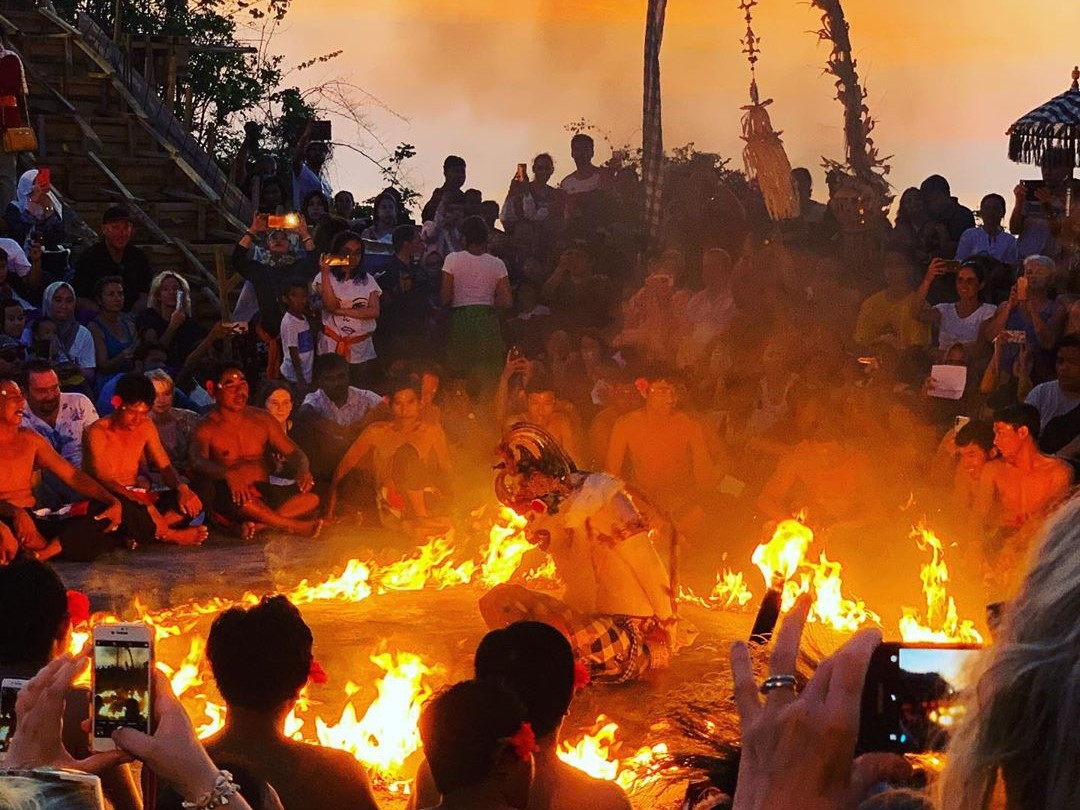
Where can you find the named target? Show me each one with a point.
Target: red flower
(642, 386)
(78, 607)
(523, 742)
(116, 402)
(582, 678)
(316, 674)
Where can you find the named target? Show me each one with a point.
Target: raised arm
(920, 310)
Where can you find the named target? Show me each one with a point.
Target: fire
(782, 555)
(506, 548)
(387, 734)
(783, 559)
(351, 585)
(729, 593)
(215, 714)
(429, 563)
(595, 753)
(942, 622)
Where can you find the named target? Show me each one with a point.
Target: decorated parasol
(1054, 125)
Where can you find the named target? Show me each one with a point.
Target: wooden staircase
(108, 138)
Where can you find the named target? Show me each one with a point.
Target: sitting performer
(112, 449)
(70, 532)
(229, 450)
(618, 610)
(410, 461)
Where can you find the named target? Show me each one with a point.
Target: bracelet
(224, 789)
(248, 234)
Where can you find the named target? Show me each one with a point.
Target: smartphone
(337, 261)
(1022, 288)
(179, 300)
(123, 663)
(959, 422)
(1031, 186)
(44, 177)
(911, 698)
(522, 174)
(320, 131)
(283, 221)
(9, 692)
(952, 266)
(236, 327)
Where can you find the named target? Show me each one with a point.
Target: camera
(287, 222)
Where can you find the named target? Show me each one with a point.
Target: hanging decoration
(764, 154)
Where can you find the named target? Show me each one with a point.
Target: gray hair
(1044, 261)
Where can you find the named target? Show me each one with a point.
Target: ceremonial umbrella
(1053, 125)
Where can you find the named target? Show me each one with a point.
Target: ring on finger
(778, 682)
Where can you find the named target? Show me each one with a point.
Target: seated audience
(167, 320)
(479, 747)
(75, 534)
(60, 418)
(1058, 400)
(960, 322)
(115, 447)
(385, 220)
(112, 329)
(887, 315)
(75, 357)
(577, 296)
(35, 215)
(12, 319)
(228, 458)
(12, 357)
(174, 425)
(114, 256)
(409, 459)
(261, 659)
(536, 662)
(32, 590)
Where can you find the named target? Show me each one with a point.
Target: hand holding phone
(44, 177)
(123, 663)
(9, 692)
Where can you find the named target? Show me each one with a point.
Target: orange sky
(496, 81)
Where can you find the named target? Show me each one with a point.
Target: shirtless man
(75, 537)
(542, 408)
(114, 446)
(1015, 496)
(666, 448)
(409, 458)
(228, 455)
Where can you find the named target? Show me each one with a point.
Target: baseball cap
(117, 213)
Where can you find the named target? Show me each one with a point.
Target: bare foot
(248, 530)
(191, 536)
(317, 530)
(50, 550)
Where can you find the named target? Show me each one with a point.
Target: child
(43, 342)
(297, 341)
(478, 746)
(14, 319)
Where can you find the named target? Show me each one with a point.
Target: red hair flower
(116, 402)
(78, 607)
(523, 742)
(316, 674)
(538, 505)
(582, 678)
(642, 386)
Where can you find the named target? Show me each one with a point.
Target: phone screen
(44, 177)
(911, 698)
(8, 694)
(121, 686)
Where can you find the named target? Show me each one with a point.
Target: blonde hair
(155, 290)
(161, 375)
(1024, 709)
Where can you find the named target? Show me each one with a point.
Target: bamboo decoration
(764, 155)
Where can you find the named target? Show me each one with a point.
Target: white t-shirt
(572, 185)
(475, 277)
(354, 293)
(76, 413)
(296, 332)
(954, 329)
(358, 404)
(1051, 401)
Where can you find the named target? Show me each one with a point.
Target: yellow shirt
(880, 317)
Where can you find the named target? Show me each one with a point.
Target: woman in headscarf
(35, 215)
(76, 344)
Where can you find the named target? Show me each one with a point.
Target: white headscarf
(26, 188)
(16, 258)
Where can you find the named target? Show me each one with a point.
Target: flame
(215, 713)
(506, 547)
(188, 675)
(729, 593)
(429, 563)
(351, 585)
(781, 556)
(387, 734)
(544, 574)
(783, 559)
(595, 754)
(942, 622)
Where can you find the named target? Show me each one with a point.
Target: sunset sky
(497, 81)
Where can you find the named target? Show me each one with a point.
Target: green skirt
(474, 343)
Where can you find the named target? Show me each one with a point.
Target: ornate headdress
(529, 450)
